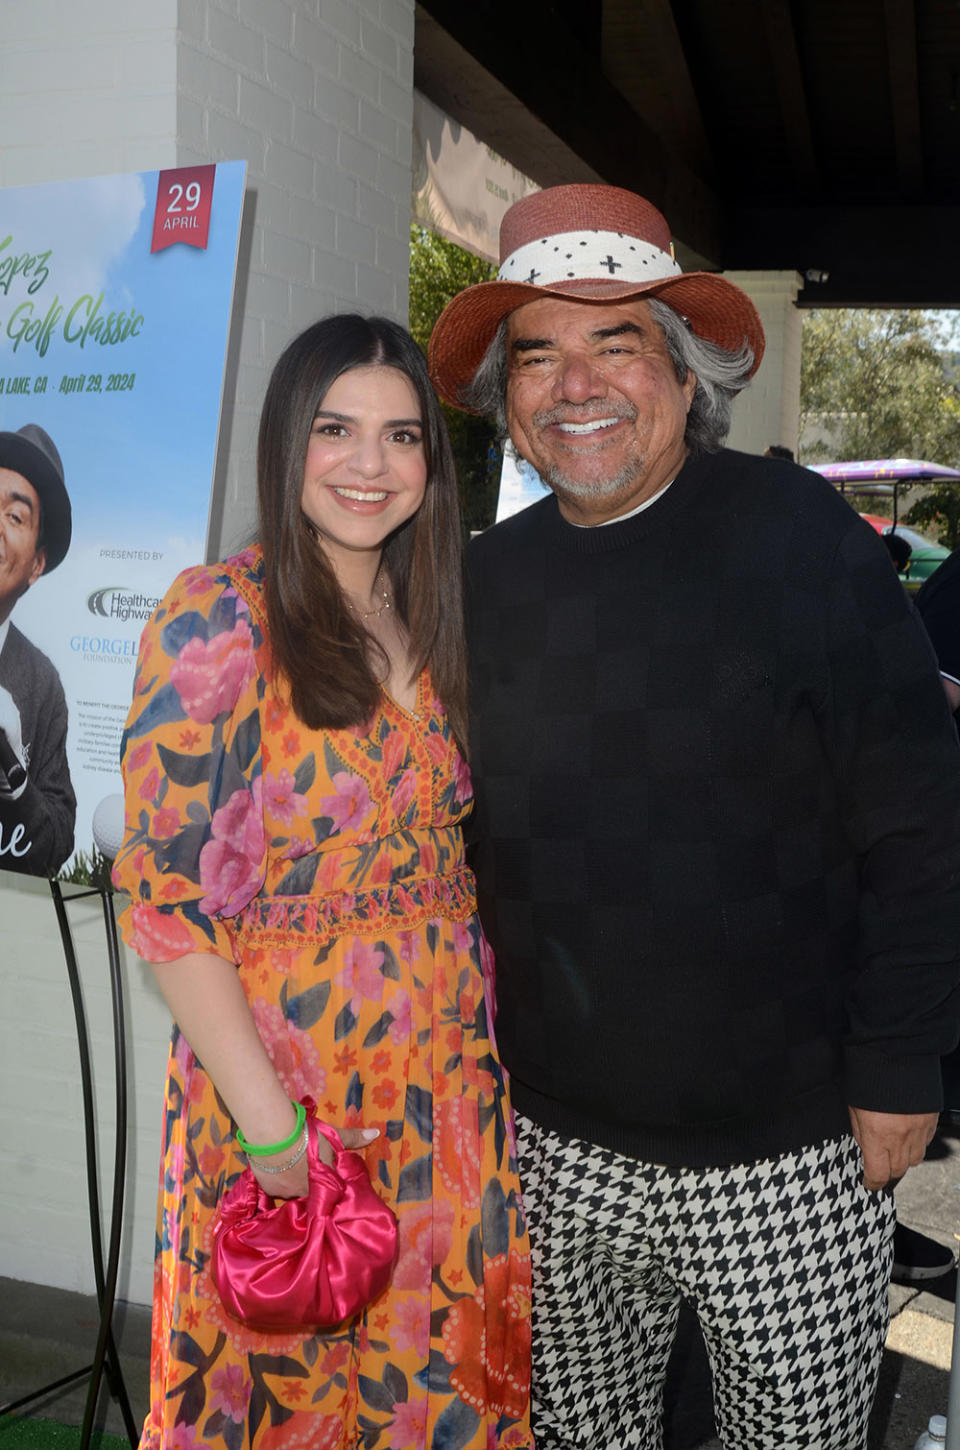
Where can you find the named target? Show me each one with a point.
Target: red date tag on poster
(184, 199)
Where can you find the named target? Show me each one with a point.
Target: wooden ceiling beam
(532, 92)
(643, 56)
(901, 28)
(788, 74)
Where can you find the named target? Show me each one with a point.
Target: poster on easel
(115, 300)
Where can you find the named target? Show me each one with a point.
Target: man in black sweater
(718, 848)
(37, 802)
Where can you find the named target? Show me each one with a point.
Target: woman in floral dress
(294, 788)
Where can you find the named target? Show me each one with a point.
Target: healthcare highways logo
(119, 603)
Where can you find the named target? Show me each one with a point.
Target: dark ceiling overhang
(817, 135)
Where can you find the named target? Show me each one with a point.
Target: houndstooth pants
(785, 1261)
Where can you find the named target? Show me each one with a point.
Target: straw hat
(32, 453)
(589, 243)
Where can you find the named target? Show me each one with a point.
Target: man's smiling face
(593, 403)
(22, 559)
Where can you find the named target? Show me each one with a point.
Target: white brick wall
(316, 96)
(87, 88)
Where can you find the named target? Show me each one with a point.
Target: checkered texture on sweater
(718, 818)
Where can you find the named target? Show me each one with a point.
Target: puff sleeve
(194, 847)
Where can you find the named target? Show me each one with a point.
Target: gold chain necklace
(372, 613)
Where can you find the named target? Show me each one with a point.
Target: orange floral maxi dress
(328, 866)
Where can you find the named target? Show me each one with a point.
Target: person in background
(779, 450)
(899, 550)
(295, 784)
(937, 601)
(37, 804)
(916, 1256)
(717, 848)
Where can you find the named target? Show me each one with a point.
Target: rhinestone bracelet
(290, 1163)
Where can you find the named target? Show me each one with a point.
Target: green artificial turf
(17, 1433)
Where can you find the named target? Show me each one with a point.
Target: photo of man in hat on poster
(37, 801)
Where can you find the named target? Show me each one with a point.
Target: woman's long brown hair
(319, 649)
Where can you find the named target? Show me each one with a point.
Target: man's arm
(896, 766)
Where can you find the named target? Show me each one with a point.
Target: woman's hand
(295, 1181)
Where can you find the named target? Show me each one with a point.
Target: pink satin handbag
(304, 1263)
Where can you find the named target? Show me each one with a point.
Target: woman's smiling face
(366, 469)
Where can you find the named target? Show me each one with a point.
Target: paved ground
(45, 1333)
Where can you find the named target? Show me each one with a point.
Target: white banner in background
(461, 188)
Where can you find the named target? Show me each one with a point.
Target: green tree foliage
(877, 382)
(883, 385)
(438, 271)
(937, 514)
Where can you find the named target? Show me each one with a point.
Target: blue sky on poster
(155, 441)
(138, 460)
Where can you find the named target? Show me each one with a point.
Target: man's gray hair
(720, 375)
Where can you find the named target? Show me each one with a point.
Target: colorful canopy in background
(881, 469)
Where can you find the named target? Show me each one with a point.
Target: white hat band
(592, 255)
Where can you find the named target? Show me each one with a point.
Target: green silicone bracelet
(268, 1149)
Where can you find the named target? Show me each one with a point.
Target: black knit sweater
(718, 819)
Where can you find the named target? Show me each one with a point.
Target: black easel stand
(105, 1359)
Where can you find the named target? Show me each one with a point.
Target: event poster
(115, 301)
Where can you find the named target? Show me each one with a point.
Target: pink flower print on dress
(438, 747)
(139, 755)
(350, 804)
(426, 1236)
(394, 751)
(409, 947)
(183, 1056)
(184, 1437)
(462, 779)
(462, 937)
(159, 936)
(165, 824)
(360, 974)
(197, 581)
(232, 863)
(231, 1391)
(149, 785)
(281, 800)
(209, 677)
(411, 1325)
(409, 1428)
(292, 1052)
(489, 969)
(402, 1025)
(404, 792)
